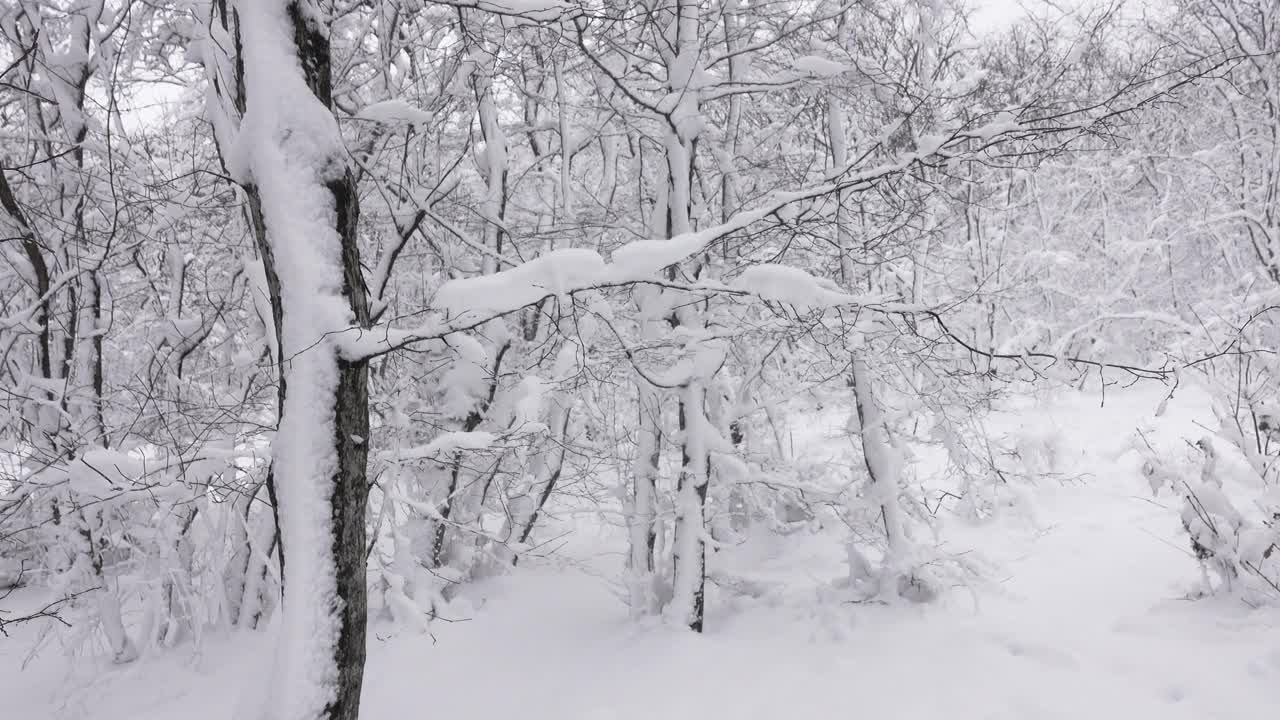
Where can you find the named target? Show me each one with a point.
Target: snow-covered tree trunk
(879, 455)
(642, 505)
(836, 136)
(225, 107)
(884, 466)
(289, 148)
(644, 595)
(494, 156)
(688, 601)
(684, 124)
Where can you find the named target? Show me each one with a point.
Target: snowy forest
(665, 358)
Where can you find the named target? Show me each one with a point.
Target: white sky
(995, 14)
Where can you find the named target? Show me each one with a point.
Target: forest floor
(1085, 614)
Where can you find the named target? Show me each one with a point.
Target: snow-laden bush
(892, 510)
(1230, 514)
(988, 472)
(139, 549)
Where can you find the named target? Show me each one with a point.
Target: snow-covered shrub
(914, 450)
(140, 548)
(987, 472)
(1231, 517)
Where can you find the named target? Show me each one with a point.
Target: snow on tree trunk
(884, 466)
(879, 455)
(689, 589)
(289, 148)
(645, 597)
(642, 505)
(684, 126)
(839, 159)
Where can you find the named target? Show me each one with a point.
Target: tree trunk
(309, 206)
(689, 589)
(680, 143)
(884, 466)
(643, 502)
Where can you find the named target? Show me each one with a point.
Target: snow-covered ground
(1084, 616)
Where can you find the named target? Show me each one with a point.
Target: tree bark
(320, 660)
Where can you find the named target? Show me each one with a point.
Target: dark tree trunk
(696, 476)
(233, 89)
(351, 402)
(350, 397)
(351, 486)
(259, 227)
(39, 272)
